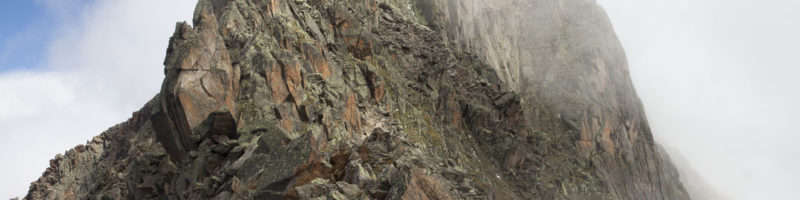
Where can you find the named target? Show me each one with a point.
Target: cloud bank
(104, 63)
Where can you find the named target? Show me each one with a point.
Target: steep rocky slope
(381, 99)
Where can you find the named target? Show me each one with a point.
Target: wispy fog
(719, 81)
(104, 63)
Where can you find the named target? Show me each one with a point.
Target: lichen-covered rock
(380, 99)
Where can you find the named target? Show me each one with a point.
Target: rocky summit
(381, 99)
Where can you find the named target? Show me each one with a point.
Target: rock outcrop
(381, 99)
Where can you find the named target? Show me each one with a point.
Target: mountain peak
(381, 99)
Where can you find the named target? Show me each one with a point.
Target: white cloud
(105, 63)
(28, 94)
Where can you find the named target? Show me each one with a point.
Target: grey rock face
(381, 99)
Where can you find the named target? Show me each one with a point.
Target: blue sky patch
(26, 32)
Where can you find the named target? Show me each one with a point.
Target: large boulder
(200, 79)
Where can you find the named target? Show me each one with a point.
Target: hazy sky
(719, 81)
(717, 78)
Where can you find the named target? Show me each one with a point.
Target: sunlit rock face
(381, 99)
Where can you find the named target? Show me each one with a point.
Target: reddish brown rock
(277, 85)
(288, 116)
(315, 56)
(292, 73)
(350, 114)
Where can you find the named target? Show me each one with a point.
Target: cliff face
(381, 99)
